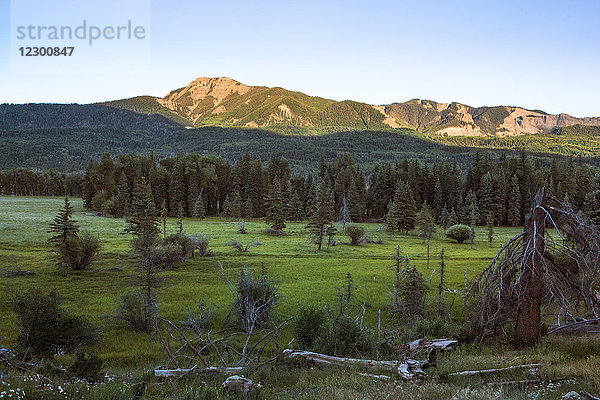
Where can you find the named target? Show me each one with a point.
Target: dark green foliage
(309, 325)
(321, 214)
(87, 366)
(296, 208)
(355, 233)
(73, 251)
(409, 295)
(514, 203)
(459, 232)
(199, 209)
(275, 208)
(46, 328)
(426, 223)
(401, 216)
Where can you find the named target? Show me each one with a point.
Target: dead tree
(551, 266)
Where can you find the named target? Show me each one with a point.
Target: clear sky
(536, 54)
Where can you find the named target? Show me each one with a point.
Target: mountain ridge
(225, 102)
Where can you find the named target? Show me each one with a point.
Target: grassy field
(304, 276)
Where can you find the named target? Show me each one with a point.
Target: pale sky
(535, 54)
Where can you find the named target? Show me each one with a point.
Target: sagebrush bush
(45, 328)
(459, 232)
(86, 250)
(355, 233)
(201, 243)
(257, 295)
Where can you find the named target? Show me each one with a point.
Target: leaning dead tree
(552, 266)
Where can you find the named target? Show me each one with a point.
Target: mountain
(227, 103)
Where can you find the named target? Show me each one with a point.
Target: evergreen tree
(65, 237)
(180, 219)
(142, 223)
(514, 203)
(296, 208)
(355, 203)
(402, 210)
(592, 202)
(275, 213)
(121, 202)
(164, 213)
(486, 196)
(199, 210)
(444, 215)
(321, 213)
(490, 227)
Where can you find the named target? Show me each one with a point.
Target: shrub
(239, 246)
(355, 233)
(256, 296)
(201, 243)
(182, 242)
(133, 311)
(165, 255)
(459, 232)
(199, 321)
(86, 250)
(45, 328)
(242, 228)
(87, 366)
(437, 327)
(309, 324)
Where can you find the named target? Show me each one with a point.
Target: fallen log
(440, 344)
(407, 369)
(178, 372)
(587, 326)
(490, 371)
(524, 382)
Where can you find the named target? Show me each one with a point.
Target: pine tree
(392, 218)
(444, 215)
(490, 227)
(321, 213)
(65, 231)
(275, 212)
(199, 210)
(180, 219)
(164, 213)
(592, 202)
(402, 210)
(426, 223)
(514, 203)
(452, 218)
(486, 196)
(296, 208)
(355, 203)
(142, 223)
(121, 202)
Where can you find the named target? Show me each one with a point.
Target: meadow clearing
(304, 276)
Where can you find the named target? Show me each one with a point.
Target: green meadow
(304, 276)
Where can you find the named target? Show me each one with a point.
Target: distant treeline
(502, 186)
